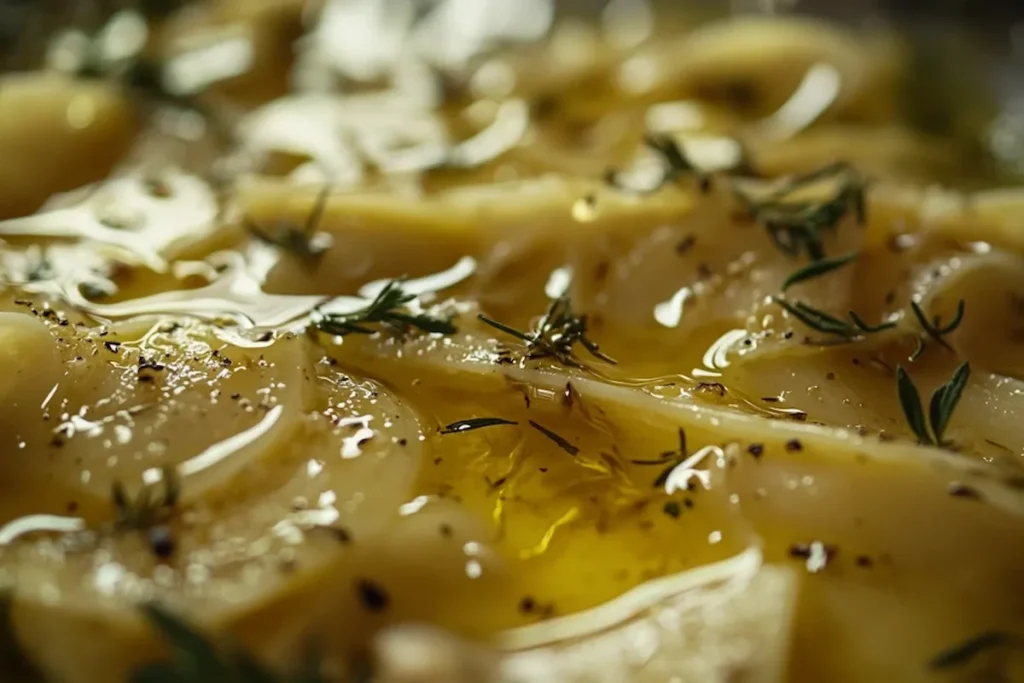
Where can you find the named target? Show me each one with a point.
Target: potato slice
(56, 134)
(821, 498)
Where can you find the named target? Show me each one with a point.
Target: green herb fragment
(935, 330)
(196, 659)
(559, 440)
(817, 269)
(389, 308)
(13, 661)
(305, 243)
(943, 402)
(797, 227)
(147, 508)
(673, 458)
(826, 323)
(964, 652)
(558, 331)
(475, 423)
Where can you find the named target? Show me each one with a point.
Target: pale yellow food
(738, 497)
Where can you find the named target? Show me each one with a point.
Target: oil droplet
(584, 209)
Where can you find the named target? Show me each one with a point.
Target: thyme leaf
(196, 659)
(945, 399)
(559, 440)
(964, 652)
(558, 331)
(943, 402)
(817, 269)
(671, 460)
(797, 227)
(910, 401)
(306, 243)
(147, 508)
(934, 329)
(388, 308)
(819, 320)
(475, 423)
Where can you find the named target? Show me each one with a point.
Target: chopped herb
(935, 330)
(826, 323)
(560, 441)
(196, 659)
(959, 490)
(817, 269)
(558, 331)
(475, 423)
(304, 242)
(796, 227)
(964, 652)
(146, 509)
(388, 308)
(943, 402)
(671, 460)
(13, 661)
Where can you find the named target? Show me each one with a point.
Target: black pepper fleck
(756, 449)
(830, 375)
(112, 346)
(864, 562)
(527, 605)
(161, 541)
(446, 530)
(958, 490)
(672, 509)
(794, 445)
(372, 595)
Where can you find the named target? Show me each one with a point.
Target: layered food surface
(470, 342)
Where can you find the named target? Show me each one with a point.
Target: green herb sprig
(964, 652)
(940, 409)
(935, 329)
(798, 227)
(556, 335)
(196, 659)
(304, 242)
(389, 308)
(670, 460)
(148, 508)
(817, 269)
(475, 423)
(819, 320)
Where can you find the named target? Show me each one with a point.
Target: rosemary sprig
(670, 459)
(388, 308)
(817, 269)
(943, 402)
(964, 652)
(147, 508)
(475, 423)
(558, 331)
(306, 243)
(935, 330)
(797, 227)
(819, 320)
(558, 439)
(196, 659)
(13, 661)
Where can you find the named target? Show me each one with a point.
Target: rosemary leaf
(934, 329)
(864, 327)
(389, 308)
(910, 401)
(193, 651)
(475, 423)
(816, 319)
(945, 399)
(817, 269)
(964, 652)
(559, 440)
